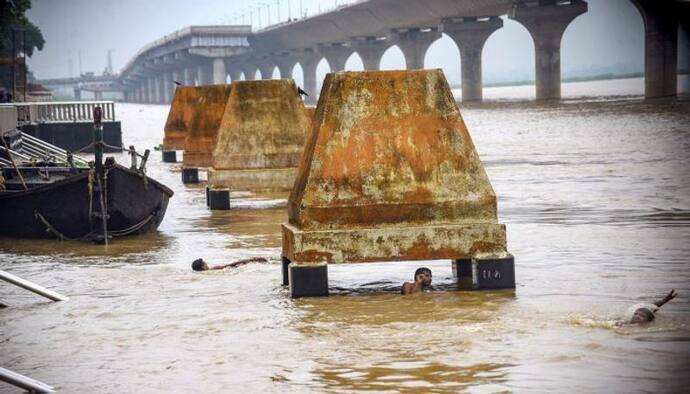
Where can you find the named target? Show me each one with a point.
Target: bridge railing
(63, 111)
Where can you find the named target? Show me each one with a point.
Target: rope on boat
(55, 232)
(115, 233)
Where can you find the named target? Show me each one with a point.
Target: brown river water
(595, 193)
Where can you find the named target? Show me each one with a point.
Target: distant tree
(12, 18)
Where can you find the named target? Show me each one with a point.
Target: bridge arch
(621, 44)
(508, 59)
(354, 62)
(393, 58)
(445, 54)
(298, 74)
(323, 67)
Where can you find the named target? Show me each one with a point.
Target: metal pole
(24, 382)
(25, 284)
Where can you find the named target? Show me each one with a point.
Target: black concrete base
(169, 156)
(462, 272)
(190, 175)
(219, 199)
(286, 274)
(72, 136)
(485, 273)
(308, 281)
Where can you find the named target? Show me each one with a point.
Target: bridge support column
(414, 43)
(336, 55)
(684, 59)
(470, 34)
(167, 87)
(204, 74)
(285, 66)
(660, 47)
(143, 86)
(266, 70)
(235, 74)
(160, 90)
(187, 79)
(219, 73)
(176, 76)
(249, 71)
(309, 61)
(546, 22)
(151, 84)
(370, 50)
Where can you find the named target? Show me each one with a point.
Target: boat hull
(135, 204)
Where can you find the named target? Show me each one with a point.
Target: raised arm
(245, 261)
(671, 295)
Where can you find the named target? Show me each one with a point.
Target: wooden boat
(46, 192)
(60, 202)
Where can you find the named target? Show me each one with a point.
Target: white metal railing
(62, 111)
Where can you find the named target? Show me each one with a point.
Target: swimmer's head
(423, 274)
(642, 315)
(199, 265)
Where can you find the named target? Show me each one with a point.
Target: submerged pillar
(414, 43)
(193, 121)
(660, 47)
(167, 87)
(470, 34)
(261, 137)
(390, 173)
(219, 73)
(546, 22)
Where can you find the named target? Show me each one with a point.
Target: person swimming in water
(422, 281)
(644, 313)
(201, 265)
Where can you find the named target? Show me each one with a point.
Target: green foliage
(12, 18)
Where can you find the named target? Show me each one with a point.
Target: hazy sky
(610, 34)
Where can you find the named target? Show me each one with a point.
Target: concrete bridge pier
(546, 23)
(219, 73)
(470, 34)
(660, 47)
(309, 60)
(151, 85)
(168, 87)
(187, 78)
(235, 73)
(249, 70)
(204, 74)
(176, 76)
(336, 55)
(266, 69)
(414, 43)
(285, 65)
(370, 50)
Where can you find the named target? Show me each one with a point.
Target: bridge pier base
(546, 23)
(660, 47)
(414, 43)
(470, 34)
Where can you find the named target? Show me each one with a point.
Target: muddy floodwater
(595, 193)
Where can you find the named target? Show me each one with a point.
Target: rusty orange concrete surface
(390, 172)
(193, 121)
(261, 137)
(311, 111)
